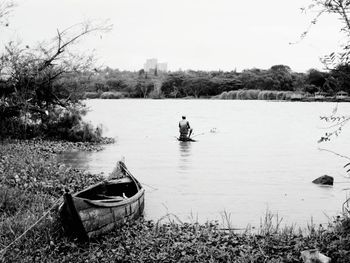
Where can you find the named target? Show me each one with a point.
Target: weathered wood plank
(119, 212)
(99, 222)
(102, 230)
(93, 213)
(80, 204)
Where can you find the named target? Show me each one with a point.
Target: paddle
(198, 134)
(189, 135)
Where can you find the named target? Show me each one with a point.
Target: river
(250, 157)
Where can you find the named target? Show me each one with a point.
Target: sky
(187, 34)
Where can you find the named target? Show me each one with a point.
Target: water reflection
(185, 156)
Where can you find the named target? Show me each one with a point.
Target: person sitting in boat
(185, 129)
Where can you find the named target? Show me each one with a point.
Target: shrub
(222, 96)
(248, 94)
(111, 95)
(154, 94)
(91, 95)
(232, 95)
(267, 95)
(240, 95)
(252, 94)
(84, 132)
(67, 124)
(281, 95)
(56, 122)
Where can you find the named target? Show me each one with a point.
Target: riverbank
(32, 182)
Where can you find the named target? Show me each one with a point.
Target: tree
(32, 77)
(172, 83)
(222, 83)
(316, 77)
(32, 72)
(196, 86)
(282, 75)
(144, 86)
(342, 74)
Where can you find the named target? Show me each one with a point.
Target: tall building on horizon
(152, 64)
(162, 66)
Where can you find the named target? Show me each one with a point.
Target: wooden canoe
(102, 207)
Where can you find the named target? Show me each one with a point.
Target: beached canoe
(104, 206)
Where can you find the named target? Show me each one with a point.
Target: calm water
(250, 156)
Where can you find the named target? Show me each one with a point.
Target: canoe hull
(100, 220)
(85, 218)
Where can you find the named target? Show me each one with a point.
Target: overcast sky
(187, 34)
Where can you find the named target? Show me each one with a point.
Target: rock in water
(324, 180)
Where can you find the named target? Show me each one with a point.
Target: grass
(168, 240)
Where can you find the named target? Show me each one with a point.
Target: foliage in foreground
(144, 241)
(31, 181)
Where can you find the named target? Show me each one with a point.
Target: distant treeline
(113, 83)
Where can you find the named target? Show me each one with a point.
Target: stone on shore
(324, 180)
(313, 255)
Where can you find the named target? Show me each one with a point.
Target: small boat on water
(100, 208)
(186, 139)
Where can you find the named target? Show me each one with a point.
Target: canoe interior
(109, 190)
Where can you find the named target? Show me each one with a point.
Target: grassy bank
(32, 182)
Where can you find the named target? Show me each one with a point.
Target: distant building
(162, 66)
(152, 64)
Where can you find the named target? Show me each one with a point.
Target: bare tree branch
(84, 29)
(6, 8)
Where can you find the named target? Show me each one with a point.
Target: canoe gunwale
(104, 182)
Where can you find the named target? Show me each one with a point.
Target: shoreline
(276, 96)
(33, 180)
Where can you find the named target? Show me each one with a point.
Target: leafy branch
(334, 122)
(341, 8)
